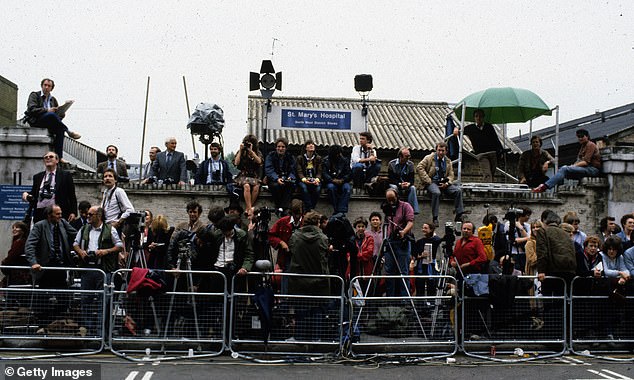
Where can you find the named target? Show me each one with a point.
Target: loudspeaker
(363, 82)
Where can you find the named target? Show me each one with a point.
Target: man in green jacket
(555, 254)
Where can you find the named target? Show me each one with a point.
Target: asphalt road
(225, 367)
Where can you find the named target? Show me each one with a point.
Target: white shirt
(93, 242)
(227, 250)
(115, 204)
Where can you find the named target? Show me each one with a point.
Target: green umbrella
(504, 105)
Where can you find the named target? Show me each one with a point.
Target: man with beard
(119, 166)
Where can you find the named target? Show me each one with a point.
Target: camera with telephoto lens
(288, 180)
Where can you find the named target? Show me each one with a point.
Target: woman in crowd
(249, 160)
(627, 233)
(15, 257)
(157, 243)
(309, 175)
(423, 259)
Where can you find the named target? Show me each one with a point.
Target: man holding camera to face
(215, 170)
(399, 217)
(53, 186)
(436, 174)
(96, 245)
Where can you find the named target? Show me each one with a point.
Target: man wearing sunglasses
(53, 186)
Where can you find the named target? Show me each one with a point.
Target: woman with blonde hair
(530, 269)
(158, 239)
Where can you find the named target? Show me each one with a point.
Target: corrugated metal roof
(606, 123)
(393, 123)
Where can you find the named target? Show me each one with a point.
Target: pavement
(226, 367)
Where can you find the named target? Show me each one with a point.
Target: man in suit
(52, 187)
(82, 219)
(147, 167)
(48, 245)
(170, 164)
(119, 166)
(215, 170)
(42, 111)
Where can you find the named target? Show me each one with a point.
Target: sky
(578, 55)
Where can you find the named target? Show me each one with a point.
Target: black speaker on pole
(363, 83)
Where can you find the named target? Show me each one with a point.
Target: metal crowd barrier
(600, 320)
(500, 327)
(420, 324)
(52, 316)
(308, 321)
(186, 321)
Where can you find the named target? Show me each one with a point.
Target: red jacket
(364, 257)
(281, 231)
(472, 251)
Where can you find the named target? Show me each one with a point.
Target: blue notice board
(317, 119)
(11, 205)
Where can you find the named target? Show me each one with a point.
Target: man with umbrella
(486, 144)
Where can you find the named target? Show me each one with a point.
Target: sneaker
(436, 222)
(540, 189)
(74, 135)
(458, 218)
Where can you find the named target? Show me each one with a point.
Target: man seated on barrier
(48, 245)
(279, 168)
(588, 164)
(401, 173)
(215, 171)
(96, 245)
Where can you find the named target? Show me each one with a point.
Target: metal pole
(462, 120)
(188, 112)
(556, 138)
(147, 95)
(530, 130)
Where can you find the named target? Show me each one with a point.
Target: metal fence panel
(421, 325)
(187, 321)
(600, 320)
(299, 324)
(525, 327)
(54, 317)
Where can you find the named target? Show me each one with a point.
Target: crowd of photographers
(113, 235)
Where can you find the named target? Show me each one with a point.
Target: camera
(388, 209)
(46, 192)
(91, 259)
(231, 267)
(215, 176)
(136, 220)
(248, 145)
(288, 180)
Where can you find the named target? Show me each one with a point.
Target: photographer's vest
(108, 262)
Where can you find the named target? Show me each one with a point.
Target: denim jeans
(395, 286)
(571, 172)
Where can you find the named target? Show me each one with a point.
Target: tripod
(137, 256)
(184, 257)
(386, 248)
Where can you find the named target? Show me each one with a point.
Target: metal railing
(502, 322)
(601, 319)
(52, 316)
(418, 325)
(309, 321)
(186, 321)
